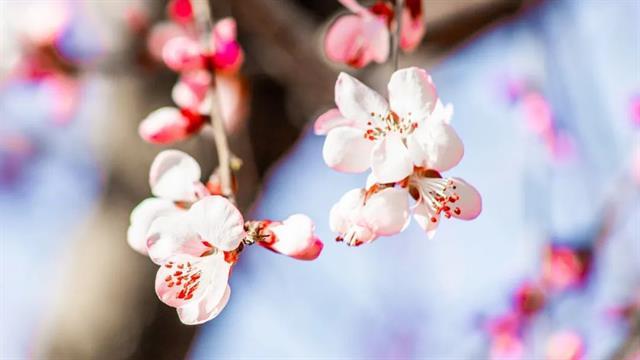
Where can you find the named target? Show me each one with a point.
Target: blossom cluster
(178, 45)
(407, 142)
(196, 236)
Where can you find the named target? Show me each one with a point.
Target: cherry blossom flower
(564, 267)
(361, 37)
(360, 219)
(293, 237)
(190, 249)
(366, 131)
(528, 299)
(175, 182)
(565, 345)
(506, 340)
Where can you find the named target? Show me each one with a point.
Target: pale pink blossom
(168, 125)
(358, 38)
(564, 267)
(391, 138)
(190, 249)
(182, 53)
(293, 237)
(506, 341)
(360, 218)
(175, 182)
(565, 345)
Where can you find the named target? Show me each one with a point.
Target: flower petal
(329, 120)
(426, 218)
(294, 237)
(390, 160)
(347, 207)
(357, 101)
(173, 235)
(182, 54)
(186, 279)
(412, 29)
(217, 221)
(191, 90)
(412, 94)
(206, 309)
(345, 149)
(470, 202)
(167, 125)
(387, 211)
(141, 218)
(357, 40)
(435, 145)
(228, 54)
(175, 176)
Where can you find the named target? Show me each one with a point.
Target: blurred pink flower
(180, 11)
(564, 267)
(189, 247)
(504, 334)
(635, 110)
(528, 299)
(565, 345)
(361, 37)
(293, 237)
(168, 124)
(360, 218)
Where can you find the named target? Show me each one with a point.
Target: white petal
(174, 175)
(435, 145)
(412, 94)
(173, 235)
(387, 211)
(345, 149)
(357, 101)
(470, 202)
(426, 219)
(141, 218)
(345, 209)
(206, 309)
(217, 221)
(390, 160)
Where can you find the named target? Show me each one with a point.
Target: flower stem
(204, 23)
(395, 46)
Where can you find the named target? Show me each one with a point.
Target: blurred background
(547, 102)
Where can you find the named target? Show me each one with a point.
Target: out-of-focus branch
(283, 39)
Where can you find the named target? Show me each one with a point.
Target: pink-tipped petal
(390, 160)
(412, 94)
(345, 149)
(412, 31)
(295, 237)
(168, 125)
(217, 221)
(160, 34)
(387, 212)
(186, 279)
(470, 201)
(228, 55)
(329, 120)
(141, 219)
(172, 235)
(182, 54)
(174, 175)
(206, 309)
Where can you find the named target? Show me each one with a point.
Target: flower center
(186, 276)
(380, 125)
(441, 196)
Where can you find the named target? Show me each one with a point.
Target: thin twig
(204, 20)
(395, 46)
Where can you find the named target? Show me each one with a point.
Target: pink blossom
(180, 11)
(564, 267)
(175, 181)
(565, 345)
(506, 341)
(635, 110)
(412, 129)
(227, 54)
(361, 37)
(293, 237)
(182, 53)
(528, 299)
(167, 125)
(190, 249)
(360, 219)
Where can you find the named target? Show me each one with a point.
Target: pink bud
(294, 237)
(528, 299)
(182, 54)
(563, 267)
(180, 11)
(167, 125)
(228, 55)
